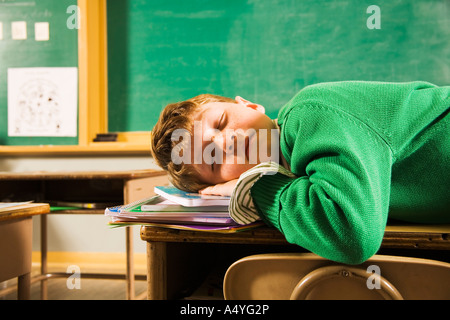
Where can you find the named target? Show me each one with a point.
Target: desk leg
(130, 263)
(156, 271)
(24, 286)
(44, 256)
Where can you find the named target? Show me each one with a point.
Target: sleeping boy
(340, 158)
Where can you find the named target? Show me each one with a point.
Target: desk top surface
(23, 211)
(395, 236)
(73, 175)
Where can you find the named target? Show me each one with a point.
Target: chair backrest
(308, 276)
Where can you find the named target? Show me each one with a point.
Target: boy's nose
(226, 142)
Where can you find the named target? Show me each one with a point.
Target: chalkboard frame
(92, 95)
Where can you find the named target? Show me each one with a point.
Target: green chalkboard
(60, 50)
(162, 51)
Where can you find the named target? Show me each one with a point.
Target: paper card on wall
(41, 31)
(42, 102)
(19, 30)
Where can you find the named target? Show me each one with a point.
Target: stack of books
(174, 208)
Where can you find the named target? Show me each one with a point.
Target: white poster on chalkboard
(42, 102)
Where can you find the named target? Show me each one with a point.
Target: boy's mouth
(247, 139)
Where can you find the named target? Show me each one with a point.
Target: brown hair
(179, 115)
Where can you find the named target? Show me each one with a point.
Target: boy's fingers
(206, 190)
(201, 191)
(212, 190)
(221, 189)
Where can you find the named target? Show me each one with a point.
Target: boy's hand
(222, 189)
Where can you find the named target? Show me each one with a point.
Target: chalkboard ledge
(129, 143)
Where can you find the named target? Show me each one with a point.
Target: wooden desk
(91, 186)
(396, 236)
(16, 242)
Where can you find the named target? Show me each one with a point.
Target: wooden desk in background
(117, 187)
(404, 236)
(16, 242)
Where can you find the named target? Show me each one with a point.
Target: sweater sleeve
(242, 209)
(337, 205)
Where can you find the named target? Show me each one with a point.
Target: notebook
(190, 199)
(174, 208)
(158, 205)
(178, 214)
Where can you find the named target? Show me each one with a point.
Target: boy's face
(234, 138)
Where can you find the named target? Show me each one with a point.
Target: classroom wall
(80, 233)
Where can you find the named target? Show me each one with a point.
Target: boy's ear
(249, 104)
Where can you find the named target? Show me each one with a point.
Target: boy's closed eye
(221, 120)
(220, 124)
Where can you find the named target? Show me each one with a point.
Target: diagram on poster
(42, 102)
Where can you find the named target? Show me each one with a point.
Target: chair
(307, 276)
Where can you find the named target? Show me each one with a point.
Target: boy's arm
(338, 205)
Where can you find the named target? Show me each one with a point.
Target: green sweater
(360, 150)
